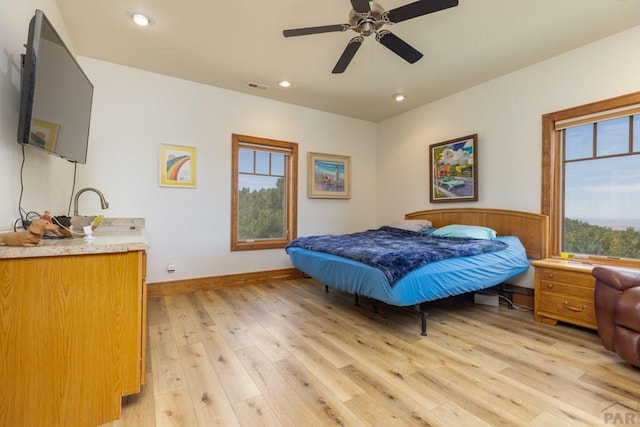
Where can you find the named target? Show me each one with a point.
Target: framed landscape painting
(453, 170)
(329, 176)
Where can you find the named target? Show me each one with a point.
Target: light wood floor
(287, 354)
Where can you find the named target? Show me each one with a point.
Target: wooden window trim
(292, 192)
(551, 200)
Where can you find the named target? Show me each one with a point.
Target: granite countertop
(113, 235)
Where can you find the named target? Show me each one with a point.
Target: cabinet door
(143, 322)
(132, 272)
(72, 337)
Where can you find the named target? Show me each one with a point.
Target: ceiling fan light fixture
(367, 18)
(284, 83)
(140, 19)
(366, 29)
(399, 97)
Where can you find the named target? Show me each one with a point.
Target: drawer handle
(576, 309)
(550, 286)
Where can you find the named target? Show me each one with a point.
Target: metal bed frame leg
(420, 308)
(423, 314)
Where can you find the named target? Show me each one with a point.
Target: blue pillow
(465, 231)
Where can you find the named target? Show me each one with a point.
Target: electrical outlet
(171, 266)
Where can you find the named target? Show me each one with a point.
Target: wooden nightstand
(564, 292)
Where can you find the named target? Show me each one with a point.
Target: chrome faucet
(103, 202)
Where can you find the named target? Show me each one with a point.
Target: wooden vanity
(73, 322)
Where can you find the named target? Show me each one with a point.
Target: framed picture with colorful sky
(177, 166)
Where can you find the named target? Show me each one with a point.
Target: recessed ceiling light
(284, 83)
(399, 97)
(140, 19)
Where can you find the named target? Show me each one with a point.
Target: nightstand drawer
(568, 289)
(567, 277)
(568, 308)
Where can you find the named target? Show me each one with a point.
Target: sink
(79, 222)
(114, 228)
(106, 226)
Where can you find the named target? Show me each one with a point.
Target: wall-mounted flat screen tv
(56, 95)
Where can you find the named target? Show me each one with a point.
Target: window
(264, 193)
(591, 180)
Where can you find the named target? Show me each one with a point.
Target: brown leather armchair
(617, 301)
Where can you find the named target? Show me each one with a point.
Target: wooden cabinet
(72, 337)
(564, 292)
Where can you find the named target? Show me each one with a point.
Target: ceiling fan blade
(418, 8)
(315, 30)
(398, 46)
(361, 6)
(348, 54)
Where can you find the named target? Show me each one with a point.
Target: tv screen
(56, 95)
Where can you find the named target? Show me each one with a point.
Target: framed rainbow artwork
(177, 166)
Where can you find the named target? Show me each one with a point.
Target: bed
(524, 235)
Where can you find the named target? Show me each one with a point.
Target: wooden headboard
(532, 229)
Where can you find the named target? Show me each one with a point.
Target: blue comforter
(394, 251)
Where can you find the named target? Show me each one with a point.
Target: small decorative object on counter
(29, 237)
(87, 232)
(96, 222)
(61, 231)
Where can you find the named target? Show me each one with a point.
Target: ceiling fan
(366, 18)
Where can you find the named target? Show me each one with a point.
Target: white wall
(135, 111)
(506, 113)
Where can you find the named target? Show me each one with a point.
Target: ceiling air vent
(257, 86)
